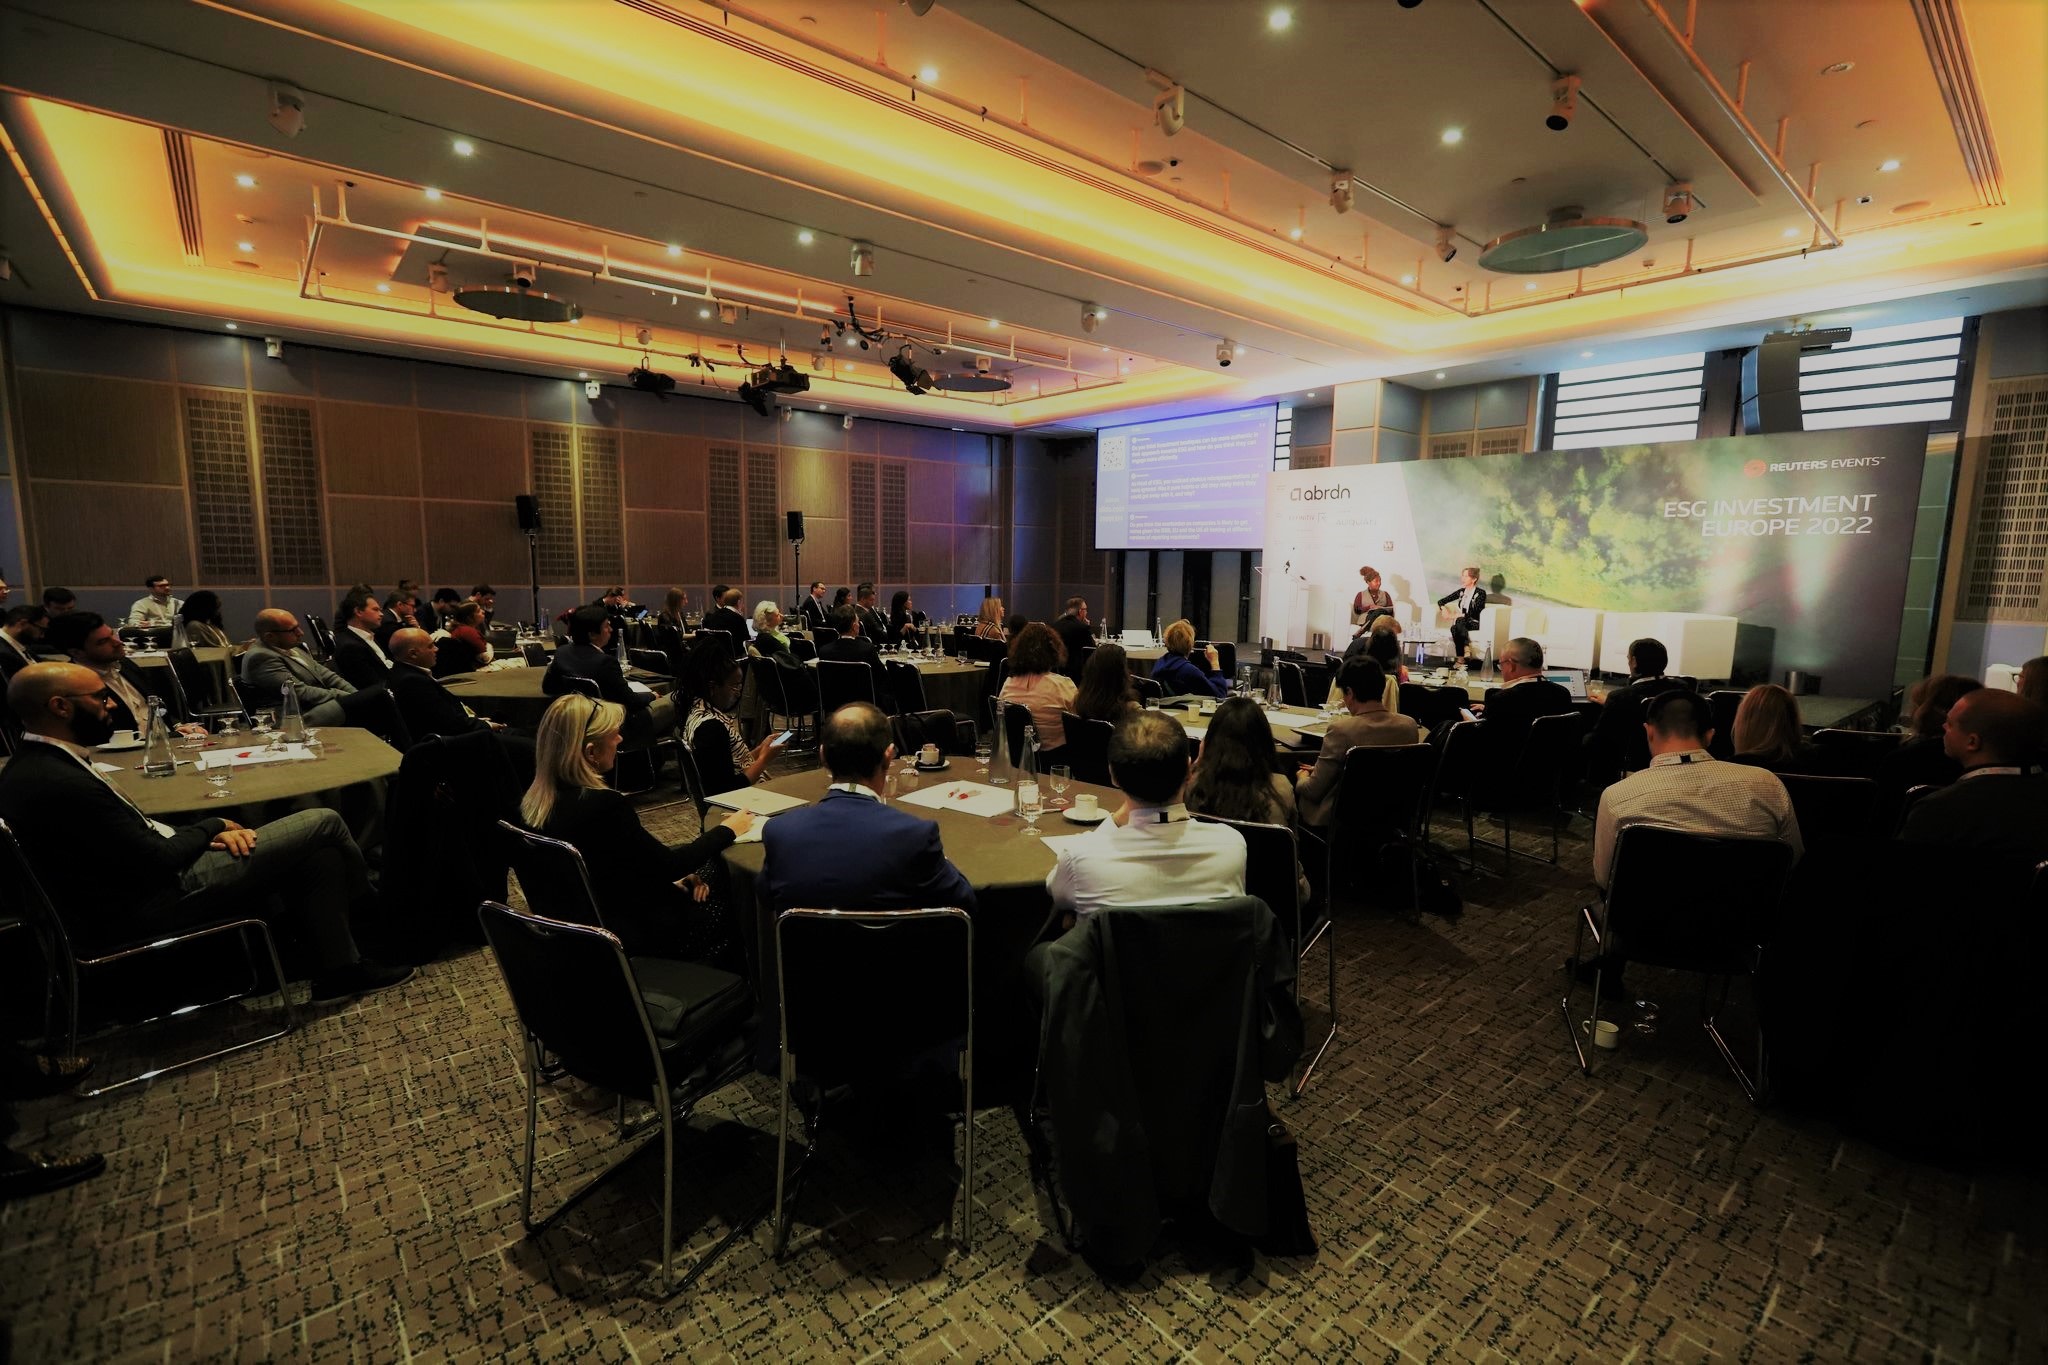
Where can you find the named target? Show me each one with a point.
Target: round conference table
(949, 685)
(217, 660)
(514, 695)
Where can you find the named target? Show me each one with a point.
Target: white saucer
(129, 747)
(938, 767)
(1082, 818)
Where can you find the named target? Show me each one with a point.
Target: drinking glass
(263, 722)
(312, 742)
(1030, 806)
(984, 750)
(227, 727)
(1062, 774)
(1646, 1017)
(219, 779)
(906, 782)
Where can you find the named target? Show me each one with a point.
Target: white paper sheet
(640, 687)
(245, 758)
(969, 798)
(756, 799)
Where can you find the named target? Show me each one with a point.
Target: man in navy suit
(851, 851)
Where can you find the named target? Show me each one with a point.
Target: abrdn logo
(1319, 494)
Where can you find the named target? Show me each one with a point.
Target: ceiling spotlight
(863, 259)
(994, 323)
(728, 313)
(384, 288)
(433, 194)
(234, 327)
(1225, 353)
(437, 278)
(805, 237)
(846, 422)
(1408, 279)
(245, 247)
(675, 249)
(928, 74)
(1791, 233)
(704, 312)
(644, 335)
(287, 110)
(914, 377)
(1439, 373)
(1171, 106)
(246, 181)
(1310, 394)
(1678, 202)
(464, 147)
(1092, 316)
(1889, 164)
(1409, 4)
(1585, 355)
(1564, 102)
(818, 361)
(1453, 136)
(1342, 192)
(1446, 246)
(1280, 19)
(591, 388)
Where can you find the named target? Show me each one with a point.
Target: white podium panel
(1701, 646)
(1570, 636)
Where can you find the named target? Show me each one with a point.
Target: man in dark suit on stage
(1524, 693)
(852, 851)
(1470, 600)
(812, 609)
(1999, 805)
(74, 826)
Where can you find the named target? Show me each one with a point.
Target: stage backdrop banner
(1803, 538)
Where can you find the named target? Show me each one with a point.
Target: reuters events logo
(1755, 469)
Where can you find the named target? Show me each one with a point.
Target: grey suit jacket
(272, 670)
(1318, 791)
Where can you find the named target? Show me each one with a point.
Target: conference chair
(1855, 753)
(1835, 814)
(194, 690)
(322, 637)
(803, 648)
(650, 661)
(554, 880)
(777, 687)
(669, 1032)
(915, 729)
(708, 633)
(458, 787)
(1150, 691)
(1668, 905)
(906, 684)
(1723, 703)
(1527, 775)
(1002, 673)
(253, 696)
(858, 990)
(1226, 655)
(1015, 717)
(1293, 683)
(70, 969)
(1381, 801)
(536, 655)
(1272, 859)
(841, 682)
(1088, 748)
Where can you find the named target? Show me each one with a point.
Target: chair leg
(782, 1165)
(668, 1181)
(1571, 1025)
(967, 1168)
(1753, 1087)
(532, 1116)
(1329, 936)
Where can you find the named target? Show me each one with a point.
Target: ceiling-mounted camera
(1678, 202)
(591, 389)
(1226, 351)
(287, 111)
(523, 275)
(1446, 244)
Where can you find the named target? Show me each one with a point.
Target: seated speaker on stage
(1370, 602)
(1466, 603)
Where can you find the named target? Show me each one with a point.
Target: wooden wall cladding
(99, 533)
(111, 430)
(376, 540)
(376, 449)
(288, 452)
(824, 555)
(764, 514)
(815, 482)
(597, 476)
(474, 542)
(554, 487)
(223, 491)
(472, 459)
(666, 548)
(863, 534)
(665, 472)
(725, 530)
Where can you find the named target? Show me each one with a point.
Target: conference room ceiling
(1003, 159)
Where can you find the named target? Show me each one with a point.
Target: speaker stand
(540, 627)
(797, 548)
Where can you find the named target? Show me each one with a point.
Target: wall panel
(377, 449)
(665, 548)
(475, 459)
(223, 494)
(100, 533)
(288, 452)
(376, 540)
(473, 542)
(664, 471)
(85, 427)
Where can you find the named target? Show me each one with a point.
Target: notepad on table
(756, 799)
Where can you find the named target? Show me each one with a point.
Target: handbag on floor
(1287, 1230)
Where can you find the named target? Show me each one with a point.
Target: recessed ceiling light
(433, 194)
(583, 374)
(1889, 164)
(234, 327)
(383, 288)
(1530, 285)
(1453, 136)
(805, 238)
(1439, 374)
(928, 74)
(993, 323)
(703, 312)
(1407, 279)
(674, 249)
(1585, 355)
(245, 247)
(464, 147)
(1280, 19)
(1791, 232)
(1310, 394)
(1837, 68)
(1295, 233)
(1240, 350)
(247, 182)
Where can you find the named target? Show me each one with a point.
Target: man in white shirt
(1148, 852)
(157, 609)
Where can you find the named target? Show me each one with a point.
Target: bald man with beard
(73, 825)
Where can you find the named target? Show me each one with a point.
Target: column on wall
(1497, 417)
(1374, 421)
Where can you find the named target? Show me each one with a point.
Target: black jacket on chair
(1160, 1029)
(588, 661)
(732, 623)
(632, 873)
(427, 707)
(357, 661)
(1994, 813)
(859, 649)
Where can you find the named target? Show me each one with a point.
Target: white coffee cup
(123, 737)
(929, 755)
(1084, 804)
(1606, 1034)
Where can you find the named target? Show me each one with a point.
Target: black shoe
(358, 978)
(25, 1173)
(40, 1076)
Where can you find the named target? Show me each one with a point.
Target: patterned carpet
(352, 1193)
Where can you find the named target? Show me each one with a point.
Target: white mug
(1084, 804)
(1606, 1034)
(929, 755)
(123, 737)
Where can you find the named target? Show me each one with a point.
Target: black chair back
(915, 729)
(1271, 856)
(1418, 701)
(198, 685)
(1015, 717)
(768, 686)
(536, 655)
(1855, 753)
(1149, 690)
(1834, 812)
(803, 648)
(861, 990)
(583, 687)
(1293, 683)
(1691, 901)
(649, 660)
(906, 685)
(1087, 747)
(1382, 794)
(460, 787)
(1724, 703)
(254, 697)
(553, 877)
(841, 681)
(576, 997)
(711, 633)
(824, 635)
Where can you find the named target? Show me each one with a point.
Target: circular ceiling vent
(514, 304)
(1569, 241)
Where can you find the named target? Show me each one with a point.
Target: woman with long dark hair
(199, 624)
(1106, 691)
(712, 730)
(1234, 775)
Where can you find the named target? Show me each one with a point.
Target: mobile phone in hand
(782, 739)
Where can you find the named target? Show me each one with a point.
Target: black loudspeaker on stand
(528, 507)
(793, 527)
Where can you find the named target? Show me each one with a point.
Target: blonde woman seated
(990, 626)
(656, 897)
(1180, 673)
(1767, 733)
(1036, 683)
(769, 642)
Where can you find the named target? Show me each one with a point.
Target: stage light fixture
(1342, 192)
(651, 381)
(846, 422)
(863, 259)
(464, 147)
(920, 8)
(1564, 102)
(1409, 4)
(914, 377)
(1678, 202)
(1170, 108)
(246, 181)
(1446, 244)
(274, 347)
(728, 313)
